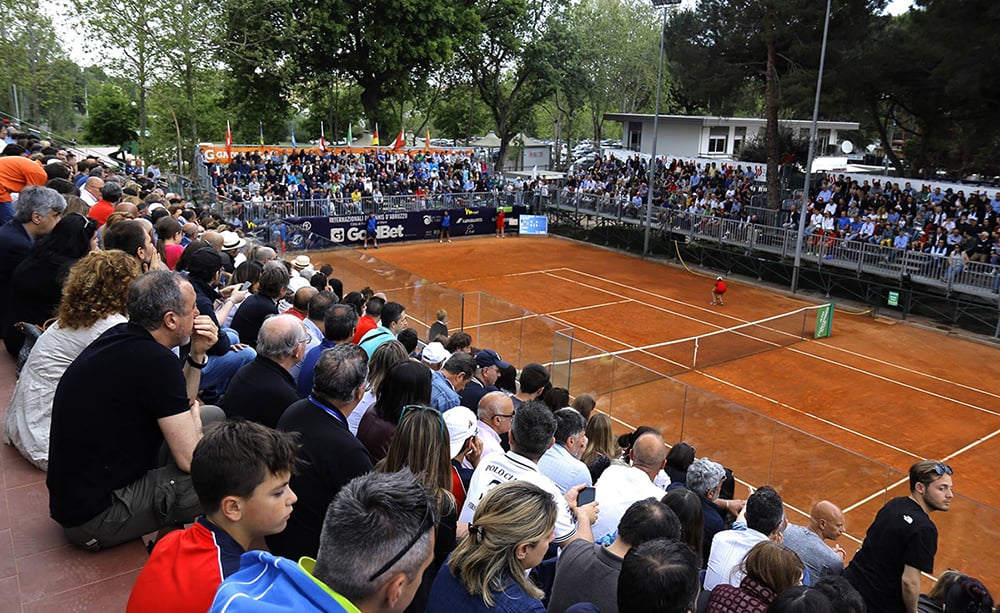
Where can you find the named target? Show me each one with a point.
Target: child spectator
(240, 471)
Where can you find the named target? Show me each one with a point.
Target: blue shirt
(566, 471)
(443, 394)
(267, 582)
(448, 595)
(305, 383)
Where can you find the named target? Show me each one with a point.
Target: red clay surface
(858, 408)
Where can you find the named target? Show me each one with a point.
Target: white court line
(821, 343)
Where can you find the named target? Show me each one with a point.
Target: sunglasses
(426, 524)
(940, 468)
(423, 408)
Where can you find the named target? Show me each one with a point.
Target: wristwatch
(196, 365)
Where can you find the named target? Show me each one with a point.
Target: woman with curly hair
(95, 298)
(509, 535)
(422, 445)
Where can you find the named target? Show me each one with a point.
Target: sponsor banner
(214, 153)
(536, 225)
(824, 321)
(348, 230)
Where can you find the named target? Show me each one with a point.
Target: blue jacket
(270, 583)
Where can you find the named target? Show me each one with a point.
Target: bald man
(127, 207)
(495, 413)
(620, 486)
(91, 191)
(826, 522)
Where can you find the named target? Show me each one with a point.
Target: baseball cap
(461, 424)
(488, 357)
(434, 353)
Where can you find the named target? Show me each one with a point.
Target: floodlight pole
(800, 238)
(665, 5)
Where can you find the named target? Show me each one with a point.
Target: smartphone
(245, 286)
(586, 496)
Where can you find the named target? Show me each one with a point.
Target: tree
(461, 114)
(725, 45)
(112, 117)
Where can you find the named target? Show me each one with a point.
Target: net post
(694, 358)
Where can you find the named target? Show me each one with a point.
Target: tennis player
(718, 290)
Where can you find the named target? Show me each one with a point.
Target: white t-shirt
(501, 468)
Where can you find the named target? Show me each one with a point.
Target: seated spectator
(465, 447)
(968, 595)
(459, 342)
(369, 318)
(584, 404)
(765, 519)
(933, 601)
(450, 380)
(262, 390)
(315, 322)
(411, 342)
(38, 212)
(704, 478)
(530, 435)
(588, 572)
(376, 542)
(421, 446)
(658, 575)
(105, 484)
(620, 486)
(406, 384)
(386, 356)
(300, 302)
(94, 300)
(561, 462)
(488, 366)
(842, 595)
(338, 327)
(111, 195)
(329, 455)
(687, 507)
(826, 521)
(434, 355)
(534, 380)
(240, 471)
(255, 309)
(168, 240)
(393, 320)
(600, 445)
(801, 599)
(36, 285)
(767, 570)
(510, 535)
(679, 459)
(495, 414)
(556, 397)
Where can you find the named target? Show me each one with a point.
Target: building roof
(718, 121)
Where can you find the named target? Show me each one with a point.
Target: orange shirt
(16, 173)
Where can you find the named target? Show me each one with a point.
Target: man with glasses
(261, 390)
(495, 412)
(377, 541)
(488, 365)
(902, 541)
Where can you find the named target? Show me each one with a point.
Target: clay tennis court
(840, 418)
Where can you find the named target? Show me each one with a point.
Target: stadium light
(665, 5)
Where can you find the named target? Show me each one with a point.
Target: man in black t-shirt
(901, 542)
(116, 405)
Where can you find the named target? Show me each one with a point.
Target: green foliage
(462, 114)
(112, 117)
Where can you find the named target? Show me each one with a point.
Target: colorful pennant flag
(229, 143)
(322, 137)
(261, 134)
(400, 141)
(349, 137)
(375, 137)
(293, 135)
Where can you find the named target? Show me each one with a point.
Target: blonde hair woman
(509, 535)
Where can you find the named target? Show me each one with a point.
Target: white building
(715, 137)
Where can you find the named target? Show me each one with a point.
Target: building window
(718, 138)
(738, 139)
(634, 135)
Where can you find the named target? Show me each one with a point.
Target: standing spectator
(439, 327)
(826, 521)
(330, 455)
(886, 570)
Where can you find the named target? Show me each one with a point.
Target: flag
(293, 135)
(375, 137)
(534, 173)
(261, 134)
(349, 137)
(322, 137)
(400, 141)
(427, 141)
(229, 143)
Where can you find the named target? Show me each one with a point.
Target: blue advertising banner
(344, 230)
(536, 225)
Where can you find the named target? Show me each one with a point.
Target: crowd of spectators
(351, 467)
